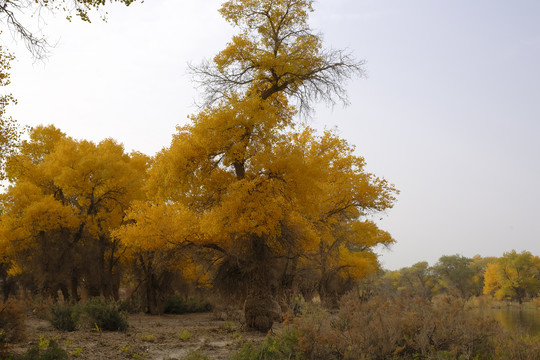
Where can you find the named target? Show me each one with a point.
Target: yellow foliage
(243, 180)
(156, 227)
(513, 276)
(275, 43)
(491, 278)
(313, 184)
(65, 198)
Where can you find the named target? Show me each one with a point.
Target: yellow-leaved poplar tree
(65, 199)
(514, 276)
(269, 199)
(159, 247)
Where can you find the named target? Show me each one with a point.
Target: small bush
(12, 327)
(517, 345)
(274, 348)
(47, 349)
(104, 315)
(131, 305)
(148, 337)
(185, 335)
(76, 352)
(64, 317)
(178, 305)
(195, 355)
(137, 353)
(396, 328)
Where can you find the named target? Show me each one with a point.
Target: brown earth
(166, 337)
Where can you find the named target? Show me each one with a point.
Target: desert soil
(166, 337)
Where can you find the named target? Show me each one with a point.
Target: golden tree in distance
(273, 202)
(513, 276)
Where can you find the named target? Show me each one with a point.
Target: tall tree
(66, 198)
(514, 276)
(455, 275)
(159, 239)
(416, 280)
(276, 52)
(270, 197)
(479, 265)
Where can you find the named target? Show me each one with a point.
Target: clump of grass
(274, 348)
(98, 314)
(46, 349)
(195, 355)
(131, 353)
(105, 315)
(185, 335)
(64, 317)
(148, 337)
(76, 352)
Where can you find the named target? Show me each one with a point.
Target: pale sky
(449, 112)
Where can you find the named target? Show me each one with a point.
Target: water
(518, 318)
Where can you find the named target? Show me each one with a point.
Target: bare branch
(12, 10)
(277, 53)
(36, 45)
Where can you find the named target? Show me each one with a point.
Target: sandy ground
(165, 337)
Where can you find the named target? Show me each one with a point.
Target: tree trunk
(75, 288)
(156, 303)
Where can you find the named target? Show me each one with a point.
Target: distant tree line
(513, 276)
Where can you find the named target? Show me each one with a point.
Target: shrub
(396, 328)
(274, 348)
(105, 315)
(131, 305)
(64, 317)
(47, 349)
(185, 335)
(195, 355)
(129, 351)
(517, 345)
(178, 305)
(12, 327)
(148, 337)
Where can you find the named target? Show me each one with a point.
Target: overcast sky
(449, 112)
